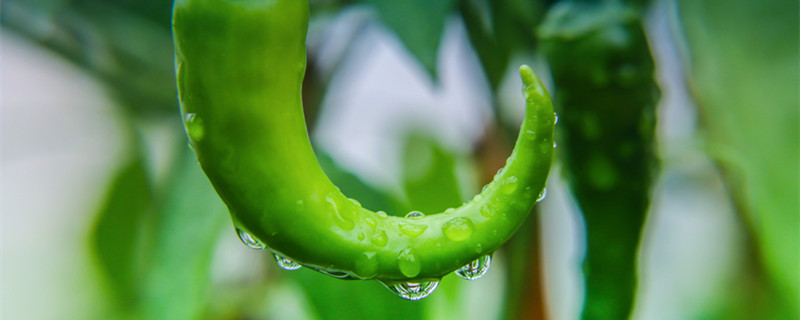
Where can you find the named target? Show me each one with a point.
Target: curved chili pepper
(240, 66)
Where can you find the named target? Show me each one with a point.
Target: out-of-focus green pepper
(606, 96)
(240, 67)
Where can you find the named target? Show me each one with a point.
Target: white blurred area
(61, 140)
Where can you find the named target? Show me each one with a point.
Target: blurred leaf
(185, 234)
(355, 300)
(745, 79)
(605, 96)
(498, 28)
(429, 176)
(480, 30)
(419, 24)
(352, 186)
(117, 233)
(125, 43)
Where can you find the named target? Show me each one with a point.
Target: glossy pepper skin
(606, 96)
(240, 67)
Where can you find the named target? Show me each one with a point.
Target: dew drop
(488, 211)
(499, 172)
(555, 144)
(382, 214)
(450, 210)
(343, 217)
(475, 269)
(546, 146)
(509, 185)
(458, 229)
(366, 265)
(555, 120)
(355, 202)
(412, 230)
(412, 290)
(408, 263)
(415, 214)
(286, 263)
(249, 240)
(379, 238)
(477, 198)
(194, 126)
(371, 222)
(542, 195)
(361, 236)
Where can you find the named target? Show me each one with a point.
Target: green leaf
(419, 24)
(115, 237)
(480, 30)
(127, 44)
(429, 176)
(499, 28)
(185, 232)
(354, 300)
(353, 187)
(745, 79)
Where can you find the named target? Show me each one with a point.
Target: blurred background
(674, 194)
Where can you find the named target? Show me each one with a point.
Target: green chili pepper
(240, 67)
(606, 94)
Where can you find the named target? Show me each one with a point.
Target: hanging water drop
(542, 195)
(413, 290)
(475, 269)
(555, 120)
(194, 126)
(249, 240)
(286, 263)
